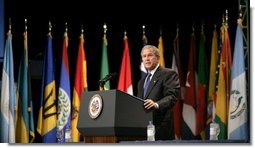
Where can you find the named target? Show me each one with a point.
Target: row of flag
(222, 99)
(58, 113)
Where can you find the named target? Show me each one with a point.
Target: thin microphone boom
(108, 77)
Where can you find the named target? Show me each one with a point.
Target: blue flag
(8, 95)
(237, 119)
(47, 118)
(64, 101)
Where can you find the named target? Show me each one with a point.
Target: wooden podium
(112, 116)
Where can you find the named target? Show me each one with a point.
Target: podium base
(110, 139)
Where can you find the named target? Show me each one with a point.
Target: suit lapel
(140, 87)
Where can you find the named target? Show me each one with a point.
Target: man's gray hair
(154, 49)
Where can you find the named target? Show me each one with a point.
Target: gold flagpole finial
(223, 19)
(66, 27)
(240, 20)
(10, 25)
(25, 24)
(105, 28)
(143, 27)
(82, 30)
(50, 26)
(226, 16)
(240, 11)
(125, 34)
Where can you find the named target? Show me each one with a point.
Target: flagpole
(227, 70)
(216, 78)
(143, 27)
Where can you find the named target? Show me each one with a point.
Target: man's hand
(148, 104)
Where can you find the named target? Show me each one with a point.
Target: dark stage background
(119, 16)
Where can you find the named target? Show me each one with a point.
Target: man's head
(150, 56)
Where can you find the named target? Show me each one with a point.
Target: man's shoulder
(166, 70)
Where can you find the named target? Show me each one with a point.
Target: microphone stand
(105, 79)
(101, 85)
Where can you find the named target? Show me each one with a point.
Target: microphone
(108, 77)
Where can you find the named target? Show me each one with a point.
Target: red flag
(176, 65)
(125, 79)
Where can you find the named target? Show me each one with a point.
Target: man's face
(150, 60)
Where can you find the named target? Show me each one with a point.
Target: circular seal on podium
(95, 106)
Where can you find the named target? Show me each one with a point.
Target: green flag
(104, 63)
(201, 93)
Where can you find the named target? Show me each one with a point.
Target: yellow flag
(161, 50)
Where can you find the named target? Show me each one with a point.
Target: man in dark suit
(160, 95)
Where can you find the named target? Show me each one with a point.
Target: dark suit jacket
(163, 89)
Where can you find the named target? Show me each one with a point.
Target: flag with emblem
(64, 100)
(237, 119)
(47, 118)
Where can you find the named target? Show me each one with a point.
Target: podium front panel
(121, 115)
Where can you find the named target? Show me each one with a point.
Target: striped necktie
(147, 83)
